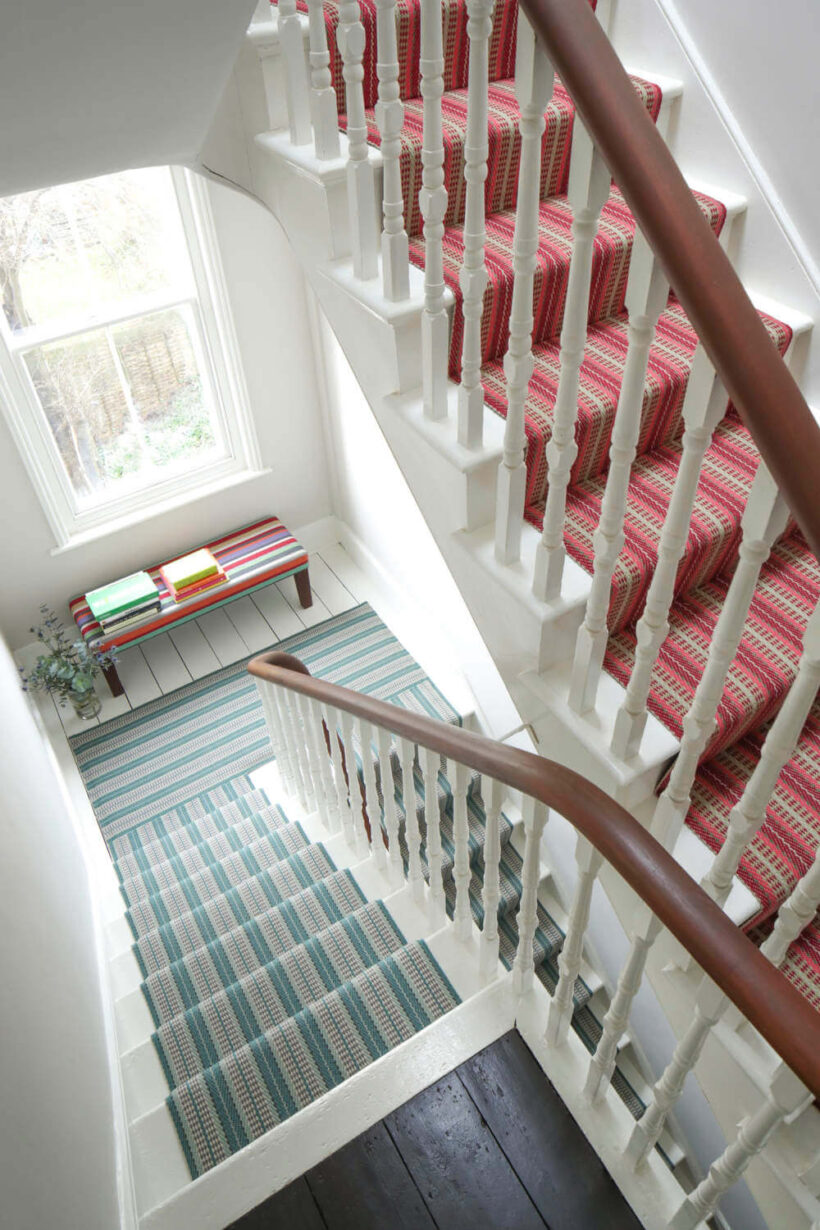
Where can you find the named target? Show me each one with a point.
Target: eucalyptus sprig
(68, 667)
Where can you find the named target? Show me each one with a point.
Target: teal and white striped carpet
(269, 977)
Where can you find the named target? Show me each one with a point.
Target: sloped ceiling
(92, 86)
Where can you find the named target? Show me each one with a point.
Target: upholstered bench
(251, 557)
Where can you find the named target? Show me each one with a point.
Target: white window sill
(117, 524)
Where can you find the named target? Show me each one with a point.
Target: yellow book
(190, 568)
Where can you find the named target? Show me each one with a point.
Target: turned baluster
(312, 756)
(535, 817)
(764, 519)
(331, 718)
(589, 187)
(354, 785)
(273, 721)
(794, 915)
(297, 88)
(391, 811)
(646, 295)
(588, 861)
(749, 813)
(432, 820)
(361, 188)
(263, 11)
(323, 111)
(473, 274)
(786, 1096)
(390, 119)
(703, 408)
(411, 819)
(534, 79)
(433, 207)
(320, 738)
(493, 795)
(462, 871)
(371, 794)
(296, 747)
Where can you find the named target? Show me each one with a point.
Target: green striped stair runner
(269, 977)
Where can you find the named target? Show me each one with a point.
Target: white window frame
(218, 357)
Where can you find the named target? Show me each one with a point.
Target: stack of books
(192, 575)
(124, 603)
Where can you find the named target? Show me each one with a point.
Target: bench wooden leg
(113, 681)
(303, 588)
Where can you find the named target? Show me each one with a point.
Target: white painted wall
(56, 1142)
(100, 85)
(267, 292)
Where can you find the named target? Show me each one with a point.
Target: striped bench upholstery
(252, 557)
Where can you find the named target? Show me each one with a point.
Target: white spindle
(794, 916)
(646, 295)
(709, 1006)
(432, 820)
(749, 813)
(764, 519)
(361, 188)
(390, 118)
(343, 807)
(461, 839)
(786, 1096)
(297, 88)
(473, 274)
(412, 833)
(263, 11)
(535, 817)
(703, 408)
(391, 812)
(534, 78)
(589, 862)
(268, 699)
(317, 781)
(321, 738)
(433, 207)
(589, 187)
(371, 794)
(602, 1063)
(493, 795)
(296, 747)
(323, 111)
(354, 787)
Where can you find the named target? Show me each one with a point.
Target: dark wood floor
(489, 1147)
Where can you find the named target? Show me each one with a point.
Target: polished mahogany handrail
(761, 992)
(759, 382)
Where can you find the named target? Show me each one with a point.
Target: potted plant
(68, 669)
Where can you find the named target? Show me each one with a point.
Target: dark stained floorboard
(489, 1147)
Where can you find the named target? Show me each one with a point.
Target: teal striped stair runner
(269, 977)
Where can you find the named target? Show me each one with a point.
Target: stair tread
(258, 1086)
(193, 811)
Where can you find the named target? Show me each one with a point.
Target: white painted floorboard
(137, 678)
(166, 665)
(194, 650)
(223, 637)
(254, 629)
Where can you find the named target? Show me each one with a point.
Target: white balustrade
(795, 914)
(535, 817)
(749, 813)
(764, 519)
(361, 187)
(462, 871)
(646, 295)
(390, 119)
(371, 795)
(354, 787)
(392, 820)
(588, 190)
(493, 796)
(412, 833)
(473, 274)
(588, 862)
(435, 327)
(534, 79)
(320, 736)
(296, 747)
(323, 109)
(343, 801)
(269, 699)
(429, 767)
(703, 408)
(297, 87)
(312, 756)
(786, 1096)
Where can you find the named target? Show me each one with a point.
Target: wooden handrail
(761, 992)
(759, 382)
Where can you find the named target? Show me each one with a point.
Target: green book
(119, 596)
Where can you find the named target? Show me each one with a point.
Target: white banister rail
(323, 110)
(361, 187)
(534, 81)
(473, 273)
(435, 325)
(390, 119)
(646, 295)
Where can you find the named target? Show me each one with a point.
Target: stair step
(239, 1099)
(163, 864)
(188, 931)
(200, 806)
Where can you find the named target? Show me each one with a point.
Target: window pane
(79, 250)
(125, 405)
